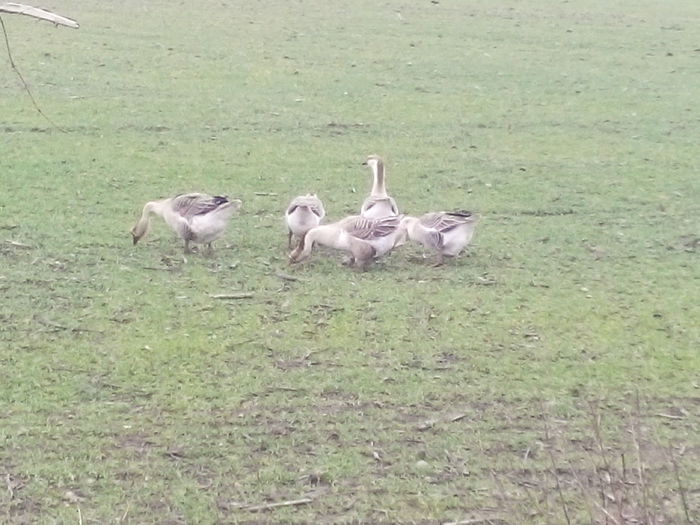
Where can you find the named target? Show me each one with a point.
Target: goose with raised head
(379, 203)
(445, 233)
(303, 213)
(195, 217)
(365, 239)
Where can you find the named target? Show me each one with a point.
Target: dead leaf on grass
(689, 243)
(597, 252)
(317, 478)
(72, 496)
(176, 452)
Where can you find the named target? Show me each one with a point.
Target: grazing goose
(304, 212)
(379, 203)
(365, 239)
(196, 217)
(446, 233)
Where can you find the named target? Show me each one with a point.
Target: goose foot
(440, 261)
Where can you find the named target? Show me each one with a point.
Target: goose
(195, 217)
(304, 212)
(365, 239)
(446, 233)
(379, 203)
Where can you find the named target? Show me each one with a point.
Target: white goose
(365, 239)
(195, 217)
(379, 203)
(304, 212)
(446, 233)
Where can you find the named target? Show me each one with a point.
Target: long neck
(415, 231)
(143, 224)
(325, 235)
(378, 186)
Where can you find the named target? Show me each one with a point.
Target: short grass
(549, 376)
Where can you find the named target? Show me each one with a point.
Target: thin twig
(17, 244)
(126, 512)
(533, 497)
(287, 277)
(607, 514)
(670, 416)
(160, 268)
(52, 324)
(499, 486)
(584, 491)
(475, 521)
(430, 423)
(547, 436)
(242, 295)
(268, 506)
(648, 518)
(595, 414)
(681, 490)
(10, 490)
(24, 82)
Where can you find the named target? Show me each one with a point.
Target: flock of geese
(379, 228)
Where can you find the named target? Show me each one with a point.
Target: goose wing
(191, 204)
(369, 229)
(445, 221)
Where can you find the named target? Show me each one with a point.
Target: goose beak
(135, 238)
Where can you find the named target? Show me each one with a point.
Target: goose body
(379, 204)
(365, 239)
(195, 217)
(446, 233)
(304, 212)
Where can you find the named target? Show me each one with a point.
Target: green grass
(406, 393)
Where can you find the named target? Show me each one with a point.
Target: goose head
(402, 230)
(139, 230)
(374, 162)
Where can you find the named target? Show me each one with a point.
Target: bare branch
(681, 490)
(21, 78)
(268, 506)
(42, 14)
(241, 295)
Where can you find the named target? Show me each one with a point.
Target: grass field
(549, 376)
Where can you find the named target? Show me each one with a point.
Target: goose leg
(289, 240)
(440, 260)
(361, 265)
(294, 255)
(187, 246)
(300, 244)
